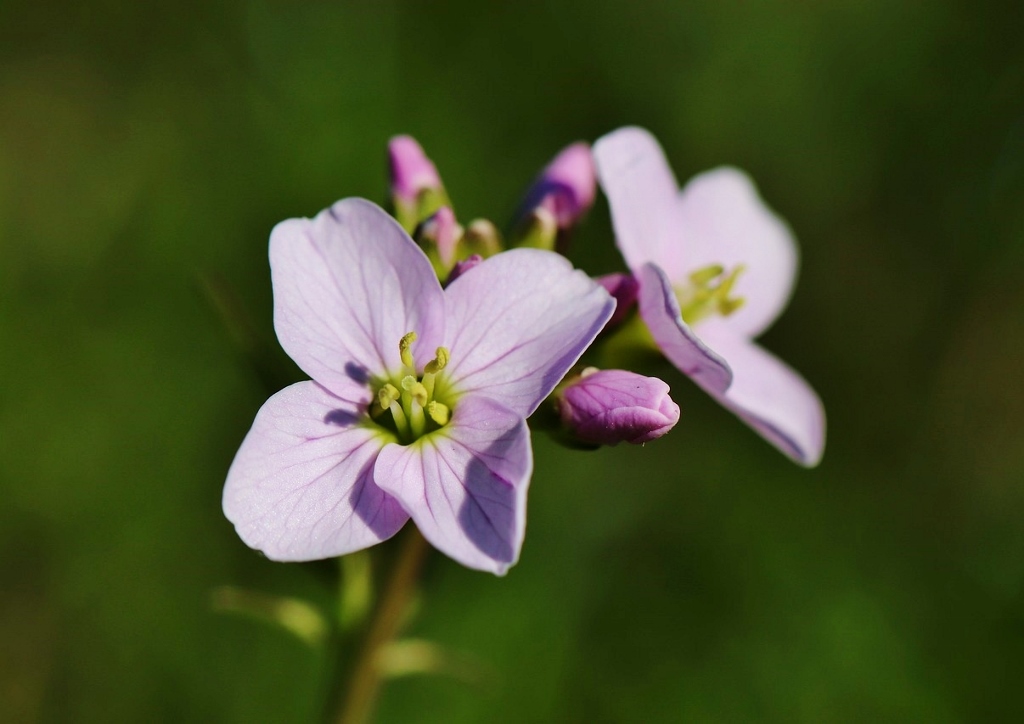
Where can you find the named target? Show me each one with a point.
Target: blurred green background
(146, 149)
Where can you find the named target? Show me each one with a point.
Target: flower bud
(564, 190)
(439, 237)
(482, 238)
(567, 186)
(416, 188)
(606, 407)
(624, 288)
(461, 267)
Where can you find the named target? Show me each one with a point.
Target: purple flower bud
(443, 232)
(461, 267)
(411, 170)
(608, 406)
(566, 188)
(625, 288)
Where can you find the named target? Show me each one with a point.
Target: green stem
(365, 681)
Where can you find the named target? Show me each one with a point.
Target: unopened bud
(624, 288)
(566, 187)
(481, 238)
(416, 188)
(461, 267)
(606, 407)
(439, 237)
(539, 230)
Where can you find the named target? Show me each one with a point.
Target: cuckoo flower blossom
(715, 267)
(419, 395)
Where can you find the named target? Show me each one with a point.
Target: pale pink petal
(771, 397)
(643, 196)
(722, 220)
(301, 485)
(465, 486)
(677, 341)
(348, 285)
(518, 322)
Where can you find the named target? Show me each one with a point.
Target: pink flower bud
(411, 170)
(608, 406)
(624, 288)
(566, 188)
(443, 232)
(461, 267)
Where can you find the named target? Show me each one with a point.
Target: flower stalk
(365, 678)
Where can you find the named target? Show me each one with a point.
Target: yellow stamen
(439, 362)
(702, 277)
(388, 394)
(404, 345)
(438, 412)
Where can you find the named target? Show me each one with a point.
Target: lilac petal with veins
(301, 486)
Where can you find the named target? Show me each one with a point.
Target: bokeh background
(146, 149)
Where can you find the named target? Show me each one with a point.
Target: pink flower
(419, 395)
(715, 267)
(606, 407)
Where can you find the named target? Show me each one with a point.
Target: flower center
(411, 405)
(708, 293)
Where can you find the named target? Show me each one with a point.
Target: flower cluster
(431, 345)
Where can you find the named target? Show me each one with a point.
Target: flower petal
(301, 485)
(771, 397)
(642, 192)
(518, 322)
(660, 310)
(348, 285)
(722, 220)
(465, 486)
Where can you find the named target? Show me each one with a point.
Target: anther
(439, 362)
(404, 350)
(702, 277)
(387, 395)
(438, 412)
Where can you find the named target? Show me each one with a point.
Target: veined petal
(660, 311)
(771, 397)
(348, 285)
(301, 485)
(722, 220)
(518, 322)
(465, 487)
(643, 193)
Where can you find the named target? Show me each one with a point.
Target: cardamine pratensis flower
(418, 398)
(715, 267)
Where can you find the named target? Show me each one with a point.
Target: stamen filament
(401, 422)
(417, 422)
